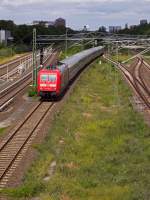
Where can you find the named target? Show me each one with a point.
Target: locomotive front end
(48, 83)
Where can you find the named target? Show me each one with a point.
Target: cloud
(19, 2)
(77, 12)
(29, 2)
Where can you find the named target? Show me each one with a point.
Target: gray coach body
(76, 62)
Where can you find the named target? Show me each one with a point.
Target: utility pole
(34, 59)
(82, 47)
(116, 77)
(128, 48)
(108, 49)
(117, 52)
(66, 44)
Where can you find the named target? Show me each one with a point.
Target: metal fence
(23, 65)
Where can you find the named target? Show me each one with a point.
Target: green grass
(100, 143)
(32, 91)
(8, 58)
(8, 54)
(71, 51)
(2, 131)
(147, 59)
(122, 57)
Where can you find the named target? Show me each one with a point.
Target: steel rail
(13, 90)
(15, 144)
(132, 80)
(141, 78)
(139, 83)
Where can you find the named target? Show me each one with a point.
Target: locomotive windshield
(52, 78)
(44, 77)
(48, 77)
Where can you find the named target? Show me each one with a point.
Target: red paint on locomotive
(49, 82)
(53, 80)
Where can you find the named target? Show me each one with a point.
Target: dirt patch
(65, 197)
(87, 115)
(71, 165)
(77, 136)
(106, 109)
(62, 141)
(36, 198)
(140, 107)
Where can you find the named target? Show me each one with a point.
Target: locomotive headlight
(52, 85)
(42, 85)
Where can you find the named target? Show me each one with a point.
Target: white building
(5, 36)
(60, 22)
(44, 23)
(51, 23)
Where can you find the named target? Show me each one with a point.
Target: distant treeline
(137, 30)
(22, 34)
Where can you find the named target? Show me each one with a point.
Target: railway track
(4, 68)
(136, 80)
(16, 144)
(8, 94)
(139, 83)
(14, 60)
(142, 72)
(13, 69)
(145, 71)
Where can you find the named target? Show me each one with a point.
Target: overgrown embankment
(1, 131)
(8, 54)
(100, 144)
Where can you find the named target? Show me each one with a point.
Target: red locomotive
(53, 80)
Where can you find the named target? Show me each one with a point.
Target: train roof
(72, 60)
(75, 58)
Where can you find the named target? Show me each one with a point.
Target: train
(53, 80)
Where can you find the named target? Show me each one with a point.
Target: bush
(4, 52)
(32, 91)
(21, 48)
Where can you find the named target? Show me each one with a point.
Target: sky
(77, 13)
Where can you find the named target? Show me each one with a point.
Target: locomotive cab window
(44, 77)
(52, 78)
